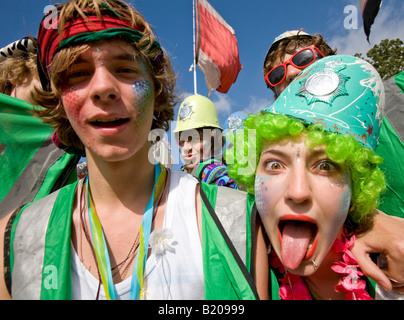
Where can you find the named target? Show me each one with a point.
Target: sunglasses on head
(301, 59)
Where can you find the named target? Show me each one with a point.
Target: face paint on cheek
(143, 96)
(345, 198)
(261, 194)
(71, 102)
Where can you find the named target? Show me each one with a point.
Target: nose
(299, 188)
(185, 146)
(104, 87)
(291, 73)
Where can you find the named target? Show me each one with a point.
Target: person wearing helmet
(317, 180)
(289, 54)
(200, 141)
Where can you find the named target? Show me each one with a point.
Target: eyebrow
(120, 56)
(274, 151)
(124, 56)
(313, 152)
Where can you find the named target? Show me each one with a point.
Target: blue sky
(256, 23)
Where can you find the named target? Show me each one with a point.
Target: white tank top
(173, 271)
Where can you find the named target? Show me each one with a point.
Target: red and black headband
(79, 31)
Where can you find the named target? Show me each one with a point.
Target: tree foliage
(387, 57)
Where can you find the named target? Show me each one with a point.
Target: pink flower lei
(292, 287)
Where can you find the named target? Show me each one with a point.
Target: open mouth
(109, 123)
(298, 238)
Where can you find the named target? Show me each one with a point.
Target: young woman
(131, 229)
(317, 182)
(288, 55)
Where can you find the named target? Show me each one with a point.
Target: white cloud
(222, 102)
(389, 24)
(256, 104)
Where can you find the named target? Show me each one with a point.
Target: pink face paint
(71, 101)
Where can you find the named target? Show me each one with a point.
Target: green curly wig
(367, 179)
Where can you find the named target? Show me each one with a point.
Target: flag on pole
(369, 9)
(216, 48)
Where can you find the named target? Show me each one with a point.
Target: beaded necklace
(100, 250)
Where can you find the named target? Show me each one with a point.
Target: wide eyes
(319, 167)
(326, 166)
(273, 165)
(124, 70)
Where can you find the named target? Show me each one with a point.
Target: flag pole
(194, 64)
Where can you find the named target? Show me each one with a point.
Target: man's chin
(190, 166)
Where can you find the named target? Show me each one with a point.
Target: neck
(322, 283)
(120, 186)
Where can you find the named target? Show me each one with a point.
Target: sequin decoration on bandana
(143, 95)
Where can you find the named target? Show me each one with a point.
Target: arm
(386, 236)
(261, 263)
(217, 174)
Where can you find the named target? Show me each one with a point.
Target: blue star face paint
(143, 97)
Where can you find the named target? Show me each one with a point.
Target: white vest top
(175, 272)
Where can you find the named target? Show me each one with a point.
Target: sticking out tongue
(296, 237)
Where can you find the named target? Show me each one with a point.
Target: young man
(131, 229)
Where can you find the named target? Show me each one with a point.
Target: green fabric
(391, 149)
(371, 287)
(54, 171)
(399, 79)
(21, 135)
(223, 277)
(57, 249)
(250, 232)
(274, 285)
(91, 37)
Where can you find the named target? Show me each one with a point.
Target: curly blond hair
(15, 70)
